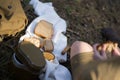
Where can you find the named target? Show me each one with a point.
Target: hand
(105, 48)
(99, 54)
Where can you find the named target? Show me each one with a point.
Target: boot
(27, 62)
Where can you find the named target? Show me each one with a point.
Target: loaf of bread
(49, 56)
(44, 29)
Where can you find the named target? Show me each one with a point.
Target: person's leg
(80, 47)
(81, 53)
(84, 68)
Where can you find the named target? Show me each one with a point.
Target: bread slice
(44, 29)
(33, 40)
(48, 45)
(49, 56)
(109, 46)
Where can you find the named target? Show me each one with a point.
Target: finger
(100, 54)
(115, 45)
(95, 48)
(103, 54)
(103, 50)
(116, 51)
(104, 47)
(96, 52)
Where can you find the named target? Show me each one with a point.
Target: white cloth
(58, 37)
(55, 71)
(45, 11)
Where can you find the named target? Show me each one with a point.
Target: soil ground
(85, 19)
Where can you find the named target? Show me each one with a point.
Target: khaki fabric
(12, 17)
(85, 68)
(78, 62)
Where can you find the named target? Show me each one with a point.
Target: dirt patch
(85, 19)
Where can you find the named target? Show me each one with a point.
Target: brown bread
(48, 45)
(44, 29)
